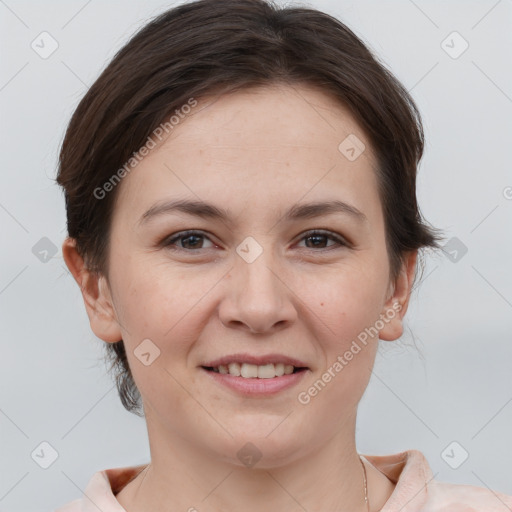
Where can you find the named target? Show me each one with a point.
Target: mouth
(254, 371)
(256, 376)
(253, 377)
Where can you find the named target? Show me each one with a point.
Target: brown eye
(319, 238)
(190, 240)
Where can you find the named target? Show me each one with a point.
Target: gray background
(449, 379)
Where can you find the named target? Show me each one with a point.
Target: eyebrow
(210, 211)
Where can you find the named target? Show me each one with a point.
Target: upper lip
(257, 360)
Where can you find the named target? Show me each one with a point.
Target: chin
(259, 446)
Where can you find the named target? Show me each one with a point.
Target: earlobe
(397, 304)
(95, 293)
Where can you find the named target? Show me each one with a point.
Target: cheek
(165, 304)
(348, 347)
(165, 308)
(171, 305)
(348, 304)
(347, 300)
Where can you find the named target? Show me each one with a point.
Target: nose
(259, 296)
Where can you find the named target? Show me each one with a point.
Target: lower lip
(255, 386)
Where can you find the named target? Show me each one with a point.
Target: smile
(253, 371)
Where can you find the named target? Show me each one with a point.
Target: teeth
(279, 367)
(266, 372)
(248, 370)
(252, 371)
(234, 369)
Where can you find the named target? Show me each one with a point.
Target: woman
(241, 197)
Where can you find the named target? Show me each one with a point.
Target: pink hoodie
(415, 491)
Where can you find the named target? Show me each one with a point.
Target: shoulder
(101, 490)
(416, 490)
(447, 497)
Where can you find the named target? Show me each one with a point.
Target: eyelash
(169, 241)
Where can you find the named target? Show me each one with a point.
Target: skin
(255, 153)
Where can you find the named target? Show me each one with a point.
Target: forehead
(261, 146)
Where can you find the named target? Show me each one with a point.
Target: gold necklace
(365, 486)
(364, 477)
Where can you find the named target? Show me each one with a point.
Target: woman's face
(254, 284)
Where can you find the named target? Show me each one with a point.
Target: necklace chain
(365, 486)
(364, 479)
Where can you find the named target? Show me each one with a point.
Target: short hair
(210, 47)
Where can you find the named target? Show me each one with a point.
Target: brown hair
(221, 46)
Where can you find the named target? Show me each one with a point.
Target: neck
(327, 477)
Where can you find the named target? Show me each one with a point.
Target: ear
(396, 305)
(95, 292)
